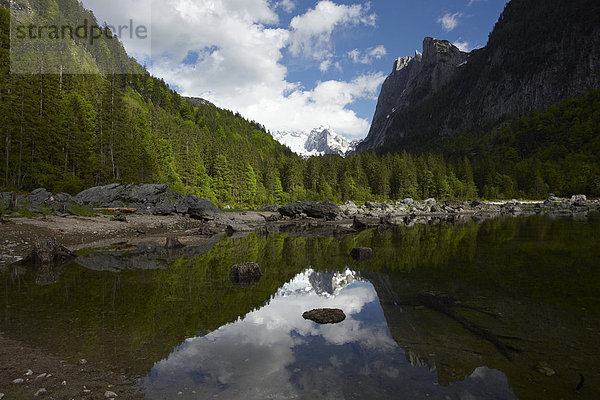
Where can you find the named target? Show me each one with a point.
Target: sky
(291, 65)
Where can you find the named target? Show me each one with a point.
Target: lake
(503, 309)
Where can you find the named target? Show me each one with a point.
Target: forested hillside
(68, 132)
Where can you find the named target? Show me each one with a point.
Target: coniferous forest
(68, 132)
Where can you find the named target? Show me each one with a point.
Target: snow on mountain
(319, 141)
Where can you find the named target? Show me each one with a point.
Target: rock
(325, 315)
(29, 372)
(545, 369)
(430, 201)
(197, 208)
(173, 243)
(1, 396)
(269, 207)
(83, 361)
(165, 206)
(245, 274)
(39, 196)
(359, 223)
(40, 392)
(361, 253)
(349, 209)
(109, 394)
(144, 193)
(314, 209)
(18, 380)
(101, 194)
(49, 252)
(234, 227)
(119, 218)
(579, 200)
(63, 198)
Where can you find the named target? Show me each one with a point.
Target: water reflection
(274, 353)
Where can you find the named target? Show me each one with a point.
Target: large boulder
(325, 315)
(314, 209)
(39, 196)
(99, 195)
(145, 193)
(196, 207)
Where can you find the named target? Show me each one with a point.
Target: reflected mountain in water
(536, 278)
(275, 353)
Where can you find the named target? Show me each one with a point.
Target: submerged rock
(361, 253)
(245, 274)
(325, 315)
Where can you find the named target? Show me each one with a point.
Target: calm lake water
(524, 322)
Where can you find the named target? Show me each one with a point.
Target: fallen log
(443, 303)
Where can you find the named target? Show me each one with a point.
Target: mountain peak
(319, 141)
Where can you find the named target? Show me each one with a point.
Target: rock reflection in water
(274, 353)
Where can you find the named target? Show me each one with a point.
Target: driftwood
(117, 209)
(49, 252)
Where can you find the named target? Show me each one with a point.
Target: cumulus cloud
(311, 32)
(374, 52)
(287, 5)
(230, 53)
(450, 21)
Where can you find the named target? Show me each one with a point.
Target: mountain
(319, 141)
(538, 54)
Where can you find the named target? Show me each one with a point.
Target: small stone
(18, 380)
(545, 369)
(83, 361)
(87, 391)
(40, 392)
(64, 383)
(29, 372)
(40, 376)
(1, 396)
(110, 395)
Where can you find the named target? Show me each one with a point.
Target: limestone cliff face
(426, 72)
(539, 54)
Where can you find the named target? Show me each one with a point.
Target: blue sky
(293, 64)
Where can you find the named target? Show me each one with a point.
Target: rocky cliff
(538, 54)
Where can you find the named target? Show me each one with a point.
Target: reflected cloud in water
(274, 353)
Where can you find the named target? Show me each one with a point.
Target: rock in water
(49, 252)
(245, 274)
(361, 253)
(314, 209)
(325, 315)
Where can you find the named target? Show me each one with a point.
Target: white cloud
(287, 5)
(463, 45)
(239, 52)
(311, 32)
(450, 21)
(371, 53)
(471, 2)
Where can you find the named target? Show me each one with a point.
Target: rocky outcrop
(412, 78)
(313, 209)
(534, 58)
